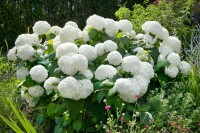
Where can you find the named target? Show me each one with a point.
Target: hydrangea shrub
(68, 71)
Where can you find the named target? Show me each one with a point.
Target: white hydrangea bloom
(125, 25)
(139, 36)
(84, 35)
(86, 88)
(110, 46)
(88, 51)
(86, 28)
(71, 63)
(22, 73)
(165, 50)
(142, 55)
(69, 88)
(184, 67)
(110, 27)
(143, 82)
(39, 73)
(41, 27)
(26, 96)
(96, 22)
(173, 42)
(171, 71)
(71, 23)
(48, 84)
(161, 58)
(149, 39)
(131, 64)
(132, 34)
(152, 27)
(114, 58)
(69, 34)
(99, 47)
(87, 73)
(146, 70)
(80, 62)
(26, 39)
(36, 91)
(66, 48)
(25, 52)
(163, 34)
(128, 89)
(104, 72)
(55, 29)
(56, 44)
(139, 50)
(12, 54)
(174, 59)
(66, 65)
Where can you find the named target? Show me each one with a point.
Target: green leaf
(58, 129)
(97, 85)
(51, 109)
(92, 33)
(79, 77)
(39, 118)
(154, 53)
(77, 125)
(145, 118)
(161, 64)
(28, 82)
(104, 37)
(107, 83)
(50, 36)
(37, 56)
(101, 95)
(59, 120)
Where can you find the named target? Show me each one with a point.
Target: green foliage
(172, 15)
(22, 118)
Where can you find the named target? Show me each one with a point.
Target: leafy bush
(172, 15)
(66, 72)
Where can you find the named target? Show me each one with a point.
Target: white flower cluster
(81, 60)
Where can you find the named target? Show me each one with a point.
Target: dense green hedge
(17, 15)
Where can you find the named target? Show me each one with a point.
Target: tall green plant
(22, 119)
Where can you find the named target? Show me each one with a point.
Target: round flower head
(69, 88)
(84, 35)
(66, 48)
(123, 85)
(96, 22)
(25, 52)
(171, 71)
(114, 58)
(131, 64)
(152, 27)
(41, 27)
(88, 51)
(139, 36)
(87, 73)
(104, 72)
(173, 42)
(99, 47)
(12, 54)
(132, 34)
(66, 65)
(39, 73)
(163, 34)
(143, 82)
(174, 59)
(125, 25)
(149, 39)
(36, 91)
(110, 27)
(110, 46)
(86, 88)
(146, 70)
(139, 50)
(80, 62)
(26, 39)
(184, 67)
(22, 73)
(165, 50)
(69, 34)
(55, 30)
(71, 23)
(56, 44)
(48, 84)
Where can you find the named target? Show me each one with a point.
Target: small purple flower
(121, 119)
(147, 126)
(107, 107)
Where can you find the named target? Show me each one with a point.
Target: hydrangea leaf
(92, 33)
(77, 125)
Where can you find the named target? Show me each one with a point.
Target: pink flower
(146, 126)
(109, 131)
(156, 2)
(121, 119)
(107, 107)
(128, 123)
(188, 130)
(137, 96)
